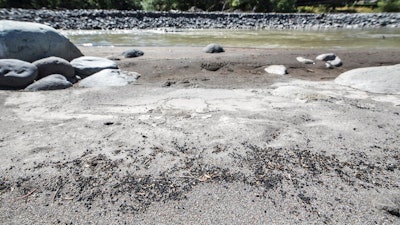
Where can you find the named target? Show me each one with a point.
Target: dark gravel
(91, 178)
(115, 19)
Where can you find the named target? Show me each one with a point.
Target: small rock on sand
(132, 53)
(213, 48)
(276, 69)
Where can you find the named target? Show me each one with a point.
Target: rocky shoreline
(115, 19)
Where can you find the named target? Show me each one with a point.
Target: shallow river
(371, 38)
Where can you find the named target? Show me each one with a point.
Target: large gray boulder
(15, 73)
(32, 41)
(52, 82)
(109, 78)
(382, 79)
(88, 65)
(54, 65)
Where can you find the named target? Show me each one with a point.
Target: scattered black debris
(168, 83)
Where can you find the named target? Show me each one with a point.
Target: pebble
(304, 60)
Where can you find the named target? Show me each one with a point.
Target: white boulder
(382, 79)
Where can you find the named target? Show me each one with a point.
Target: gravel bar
(116, 19)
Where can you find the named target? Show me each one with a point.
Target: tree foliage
(183, 5)
(389, 6)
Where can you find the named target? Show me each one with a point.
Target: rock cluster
(55, 73)
(114, 19)
(330, 59)
(31, 59)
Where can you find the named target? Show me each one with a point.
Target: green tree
(253, 5)
(389, 6)
(126, 4)
(51, 4)
(285, 6)
(74, 4)
(17, 4)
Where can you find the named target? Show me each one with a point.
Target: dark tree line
(183, 5)
(158, 5)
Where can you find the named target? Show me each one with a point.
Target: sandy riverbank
(186, 145)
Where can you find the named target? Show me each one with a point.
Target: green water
(371, 38)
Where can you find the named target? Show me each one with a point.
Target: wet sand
(205, 139)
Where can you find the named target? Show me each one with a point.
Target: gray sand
(288, 151)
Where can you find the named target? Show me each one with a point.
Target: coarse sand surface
(205, 139)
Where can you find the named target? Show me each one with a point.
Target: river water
(340, 38)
